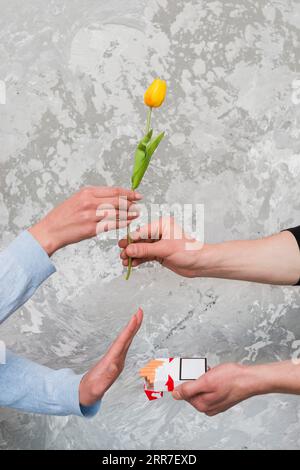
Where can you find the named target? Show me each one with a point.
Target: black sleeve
(296, 232)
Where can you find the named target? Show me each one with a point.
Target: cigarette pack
(164, 374)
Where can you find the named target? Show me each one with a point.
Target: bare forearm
(279, 377)
(271, 260)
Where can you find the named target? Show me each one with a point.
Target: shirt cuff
(296, 232)
(71, 394)
(31, 257)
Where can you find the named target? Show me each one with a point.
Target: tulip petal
(155, 93)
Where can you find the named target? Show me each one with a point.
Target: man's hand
(219, 389)
(270, 260)
(100, 377)
(163, 241)
(90, 211)
(228, 384)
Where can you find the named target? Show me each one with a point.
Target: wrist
(84, 396)
(88, 391)
(205, 261)
(259, 379)
(45, 237)
(228, 260)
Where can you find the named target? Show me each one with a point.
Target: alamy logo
(2, 353)
(2, 92)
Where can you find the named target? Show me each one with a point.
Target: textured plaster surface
(75, 72)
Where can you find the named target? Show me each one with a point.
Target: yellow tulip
(156, 93)
(153, 98)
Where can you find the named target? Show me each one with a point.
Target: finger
(212, 413)
(127, 334)
(124, 255)
(199, 404)
(109, 192)
(139, 316)
(150, 233)
(148, 251)
(190, 389)
(116, 214)
(136, 262)
(118, 346)
(164, 228)
(221, 408)
(108, 225)
(123, 243)
(120, 203)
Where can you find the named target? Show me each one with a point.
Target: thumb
(146, 250)
(189, 389)
(179, 393)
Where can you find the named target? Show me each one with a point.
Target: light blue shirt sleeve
(24, 265)
(31, 387)
(25, 385)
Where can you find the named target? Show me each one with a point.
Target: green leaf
(145, 149)
(146, 138)
(139, 163)
(152, 146)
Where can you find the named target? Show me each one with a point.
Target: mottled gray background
(75, 72)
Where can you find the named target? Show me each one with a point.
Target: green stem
(129, 259)
(148, 125)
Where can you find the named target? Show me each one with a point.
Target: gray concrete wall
(75, 72)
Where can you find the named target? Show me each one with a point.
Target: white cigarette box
(171, 372)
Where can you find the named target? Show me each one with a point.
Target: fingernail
(133, 214)
(138, 196)
(176, 395)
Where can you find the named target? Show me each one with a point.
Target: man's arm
(30, 387)
(226, 385)
(270, 260)
(24, 265)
